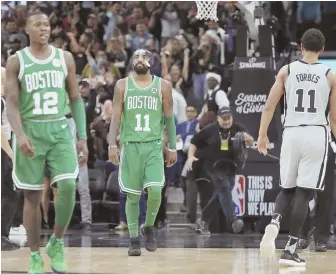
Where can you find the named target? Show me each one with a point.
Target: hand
(93, 132)
(26, 146)
(186, 51)
(114, 153)
(190, 162)
(248, 139)
(70, 35)
(179, 82)
(82, 151)
(263, 144)
(171, 158)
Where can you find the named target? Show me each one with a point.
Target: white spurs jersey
(307, 94)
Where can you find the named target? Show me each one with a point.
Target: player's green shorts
(54, 149)
(141, 166)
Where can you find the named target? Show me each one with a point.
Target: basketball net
(207, 10)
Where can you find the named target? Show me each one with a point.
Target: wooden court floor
(180, 251)
(171, 260)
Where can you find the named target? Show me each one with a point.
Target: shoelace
(59, 251)
(35, 260)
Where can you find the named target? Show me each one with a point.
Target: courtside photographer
(224, 151)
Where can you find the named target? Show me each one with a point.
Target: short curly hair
(313, 40)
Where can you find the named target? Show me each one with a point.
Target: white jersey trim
(19, 55)
(38, 61)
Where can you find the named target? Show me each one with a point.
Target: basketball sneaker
(55, 250)
(150, 240)
(202, 227)
(134, 247)
(267, 245)
(36, 265)
(289, 259)
(320, 246)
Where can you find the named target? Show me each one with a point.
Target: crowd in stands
(103, 35)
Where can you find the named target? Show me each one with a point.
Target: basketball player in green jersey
(38, 80)
(142, 107)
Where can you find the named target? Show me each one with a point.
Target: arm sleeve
(78, 114)
(221, 99)
(171, 132)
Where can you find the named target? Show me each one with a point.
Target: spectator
(117, 54)
(179, 78)
(308, 15)
(99, 130)
(140, 38)
(216, 97)
(205, 59)
(170, 22)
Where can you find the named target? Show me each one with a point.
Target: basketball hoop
(207, 10)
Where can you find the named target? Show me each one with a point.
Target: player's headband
(145, 55)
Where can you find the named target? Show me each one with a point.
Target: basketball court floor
(180, 251)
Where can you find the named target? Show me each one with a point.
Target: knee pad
(67, 186)
(154, 192)
(133, 198)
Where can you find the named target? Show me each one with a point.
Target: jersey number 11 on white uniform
(301, 98)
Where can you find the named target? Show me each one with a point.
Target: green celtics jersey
(43, 94)
(142, 118)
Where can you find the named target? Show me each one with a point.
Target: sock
(276, 219)
(153, 204)
(291, 244)
(132, 214)
(34, 253)
(65, 203)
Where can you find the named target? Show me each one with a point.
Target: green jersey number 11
(139, 123)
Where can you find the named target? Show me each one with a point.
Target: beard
(140, 69)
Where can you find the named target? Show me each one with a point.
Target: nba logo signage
(238, 194)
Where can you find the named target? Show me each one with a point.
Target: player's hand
(171, 158)
(26, 146)
(114, 153)
(263, 144)
(82, 151)
(190, 162)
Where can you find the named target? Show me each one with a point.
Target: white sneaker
(267, 245)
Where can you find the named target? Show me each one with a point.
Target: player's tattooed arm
(332, 115)
(12, 94)
(273, 99)
(117, 110)
(72, 85)
(77, 107)
(167, 102)
(167, 98)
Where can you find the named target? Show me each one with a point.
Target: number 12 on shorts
(139, 122)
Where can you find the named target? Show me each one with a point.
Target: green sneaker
(55, 250)
(36, 264)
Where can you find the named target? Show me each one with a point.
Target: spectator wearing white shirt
(215, 98)
(179, 106)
